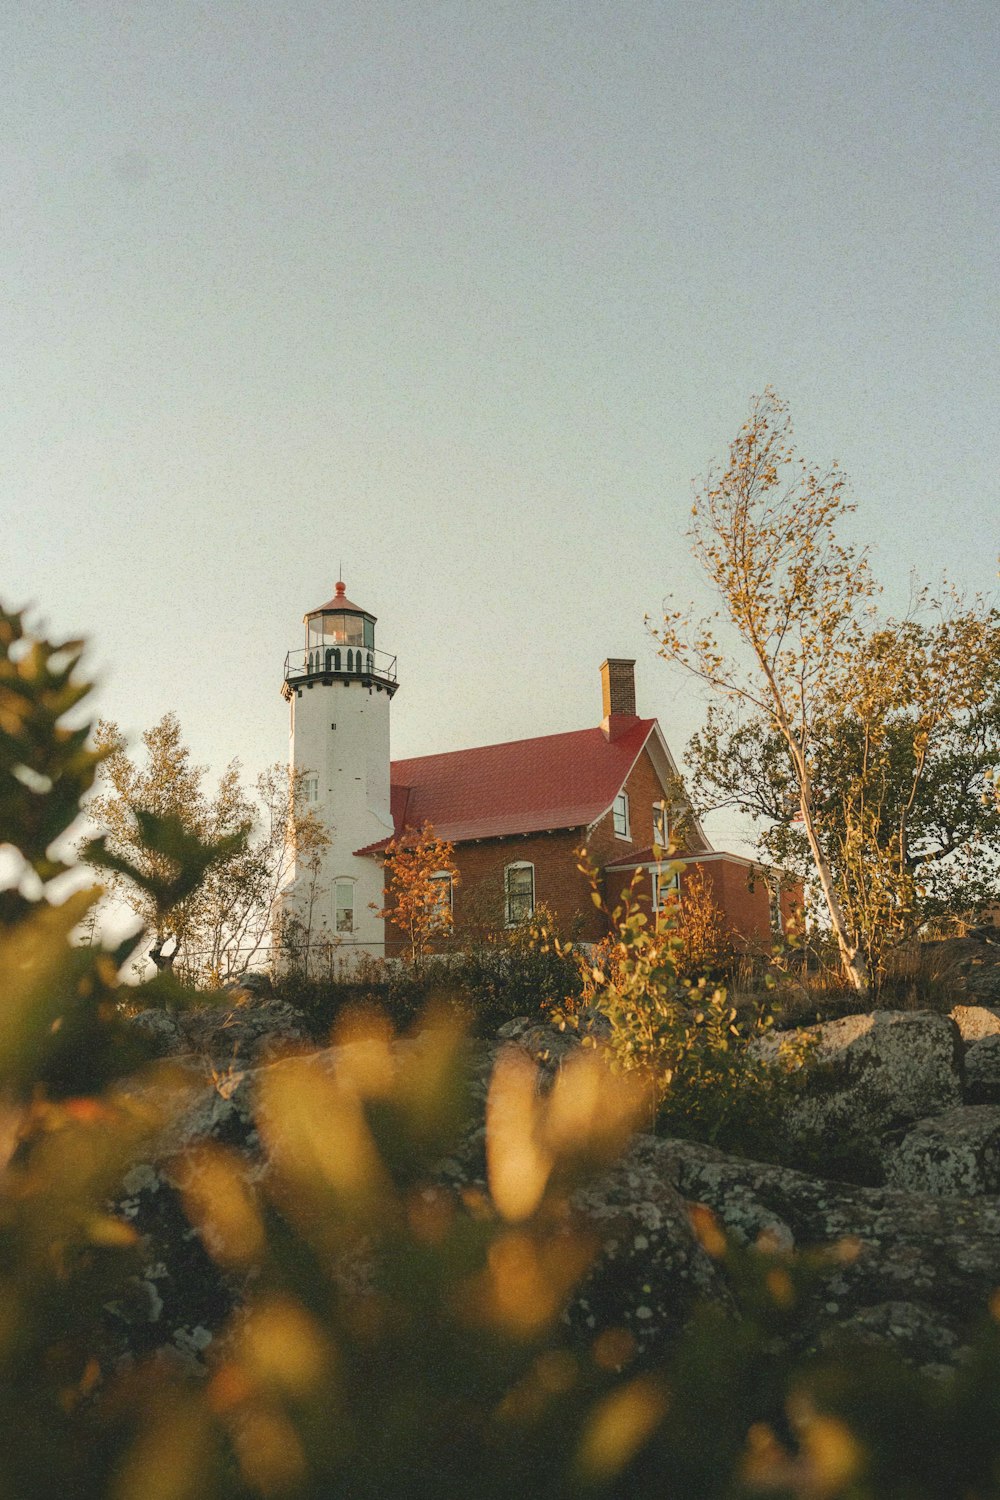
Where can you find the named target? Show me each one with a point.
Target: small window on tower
(345, 905)
(310, 788)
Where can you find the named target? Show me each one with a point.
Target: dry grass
(919, 976)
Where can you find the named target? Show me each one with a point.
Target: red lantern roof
(340, 602)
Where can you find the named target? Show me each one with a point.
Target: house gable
(653, 777)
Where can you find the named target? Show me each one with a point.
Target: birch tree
(219, 929)
(902, 756)
(764, 531)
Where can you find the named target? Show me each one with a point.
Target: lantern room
(340, 642)
(340, 623)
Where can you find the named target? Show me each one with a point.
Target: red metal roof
(340, 601)
(525, 786)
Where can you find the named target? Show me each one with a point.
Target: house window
(666, 888)
(660, 828)
(345, 906)
(443, 898)
(519, 888)
(310, 788)
(620, 815)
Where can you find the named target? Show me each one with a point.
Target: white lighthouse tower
(339, 688)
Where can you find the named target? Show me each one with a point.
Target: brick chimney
(618, 694)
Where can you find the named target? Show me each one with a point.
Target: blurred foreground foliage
(397, 1336)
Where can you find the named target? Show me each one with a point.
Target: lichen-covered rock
(861, 1075)
(978, 959)
(956, 1154)
(975, 1022)
(164, 1030)
(939, 1256)
(915, 1332)
(254, 982)
(652, 1268)
(244, 1033)
(550, 1044)
(982, 1071)
(909, 1265)
(241, 1026)
(180, 1298)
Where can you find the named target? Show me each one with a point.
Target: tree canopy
(218, 928)
(862, 742)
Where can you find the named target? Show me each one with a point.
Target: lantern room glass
(339, 629)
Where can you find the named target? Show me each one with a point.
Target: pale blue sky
(466, 295)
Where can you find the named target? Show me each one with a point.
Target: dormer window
(620, 816)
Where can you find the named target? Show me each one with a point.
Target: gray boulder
(956, 1154)
(982, 1071)
(975, 1022)
(938, 1257)
(903, 1268)
(242, 1034)
(862, 1075)
(163, 1028)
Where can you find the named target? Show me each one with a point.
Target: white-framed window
(666, 888)
(310, 788)
(661, 827)
(519, 892)
(344, 919)
(444, 896)
(619, 813)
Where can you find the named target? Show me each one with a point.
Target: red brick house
(517, 812)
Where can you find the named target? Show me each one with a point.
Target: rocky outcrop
(652, 1268)
(905, 1268)
(862, 1075)
(903, 1265)
(975, 1022)
(956, 1154)
(241, 1029)
(550, 1046)
(982, 1071)
(648, 1275)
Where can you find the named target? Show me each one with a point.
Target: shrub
(485, 987)
(681, 1037)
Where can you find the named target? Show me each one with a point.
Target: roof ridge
(532, 739)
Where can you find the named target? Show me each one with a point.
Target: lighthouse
(339, 687)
